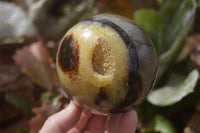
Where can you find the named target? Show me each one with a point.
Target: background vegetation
(30, 31)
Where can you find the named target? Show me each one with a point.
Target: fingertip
(72, 107)
(128, 122)
(133, 115)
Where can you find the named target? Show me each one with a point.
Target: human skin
(73, 119)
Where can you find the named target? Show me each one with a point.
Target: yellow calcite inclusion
(103, 63)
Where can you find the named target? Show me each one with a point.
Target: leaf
(150, 21)
(195, 52)
(42, 113)
(161, 124)
(191, 42)
(177, 19)
(169, 9)
(35, 62)
(20, 101)
(169, 95)
(15, 26)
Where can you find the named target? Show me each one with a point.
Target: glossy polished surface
(101, 65)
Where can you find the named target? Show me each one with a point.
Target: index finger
(62, 121)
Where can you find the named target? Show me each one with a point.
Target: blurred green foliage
(168, 27)
(173, 26)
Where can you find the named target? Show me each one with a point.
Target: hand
(74, 120)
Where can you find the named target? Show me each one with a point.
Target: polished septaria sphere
(106, 64)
